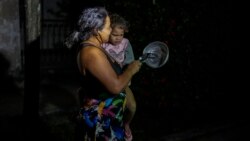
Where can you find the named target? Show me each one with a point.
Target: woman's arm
(96, 62)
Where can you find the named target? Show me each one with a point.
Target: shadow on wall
(11, 102)
(11, 96)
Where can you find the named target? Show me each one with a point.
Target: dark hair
(117, 20)
(90, 21)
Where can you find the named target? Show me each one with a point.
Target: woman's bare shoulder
(90, 53)
(91, 50)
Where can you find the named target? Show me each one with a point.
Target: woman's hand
(135, 66)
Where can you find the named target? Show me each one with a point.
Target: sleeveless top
(101, 111)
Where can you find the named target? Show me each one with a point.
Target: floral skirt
(103, 119)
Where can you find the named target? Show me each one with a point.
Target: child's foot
(128, 134)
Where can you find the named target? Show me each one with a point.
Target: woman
(103, 94)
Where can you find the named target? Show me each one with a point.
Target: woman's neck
(93, 41)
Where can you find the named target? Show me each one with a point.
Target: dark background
(196, 95)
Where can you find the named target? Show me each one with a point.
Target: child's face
(116, 35)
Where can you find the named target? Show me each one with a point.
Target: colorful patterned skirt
(103, 119)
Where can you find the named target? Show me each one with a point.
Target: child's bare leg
(131, 109)
(131, 105)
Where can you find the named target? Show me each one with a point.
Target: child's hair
(118, 21)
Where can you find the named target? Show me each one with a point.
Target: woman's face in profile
(105, 32)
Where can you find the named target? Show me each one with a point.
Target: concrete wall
(10, 45)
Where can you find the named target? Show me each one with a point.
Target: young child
(120, 49)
